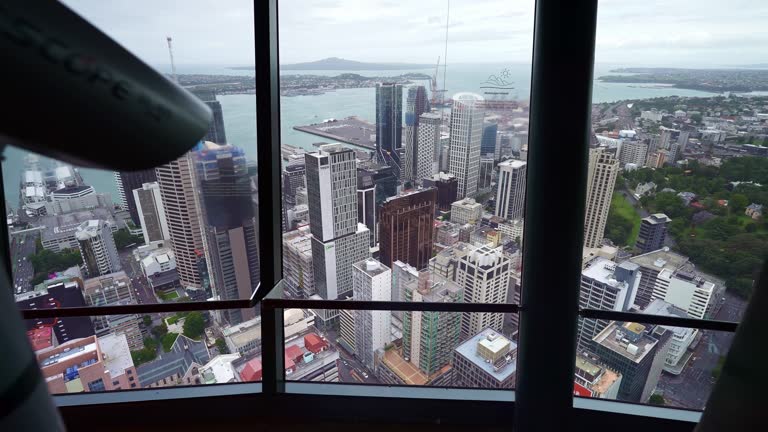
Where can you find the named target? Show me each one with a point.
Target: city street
(22, 246)
(350, 369)
(692, 387)
(140, 284)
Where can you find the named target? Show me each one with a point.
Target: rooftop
(468, 350)
(613, 338)
(67, 223)
(115, 353)
(371, 267)
(406, 371)
(219, 370)
(512, 163)
(244, 332)
(603, 270)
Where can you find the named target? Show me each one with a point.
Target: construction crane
(173, 64)
(437, 94)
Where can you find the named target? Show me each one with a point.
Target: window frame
(544, 390)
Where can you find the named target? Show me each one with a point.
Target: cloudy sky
(701, 33)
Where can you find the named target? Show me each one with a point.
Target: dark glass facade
(406, 228)
(133, 180)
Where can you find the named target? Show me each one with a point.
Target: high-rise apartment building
(466, 128)
(601, 178)
(446, 185)
(430, 337)
(605, 285)
(338, 240)
(406, 228)
(229, 224)
(372, 281)
(653, 232)
(484, 275)
(415, 105)
(126, 182)
(389, 125)
(216, 131)
(466, 211)
(149, 205)
(428, 146)
(633, 152)
(178, 190)
(366, 204)
(97, 248)
(486, 360)
(510, 194)
(297, 263)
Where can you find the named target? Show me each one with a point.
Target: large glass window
(186, 231)
(675, 190)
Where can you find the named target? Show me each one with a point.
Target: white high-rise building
(685, 290)
(372, 281)
(178, 191)
(121, 202)
(466, 134)
(605, 285)
(633, 152)
(510, 196)
(601, 178)
(428, 148)
(484, 275)
(97, 248)
(149, 204)
(338, 240)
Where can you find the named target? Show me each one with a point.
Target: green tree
(47, 262)
(147, 320)
(194, 325)
(123, 238)
(143, 355)
(738, 203)
(150, 344)
(718, 369)
(168, 341)
(160, 331)
(222, 346)
(696, 118)
(656, 399)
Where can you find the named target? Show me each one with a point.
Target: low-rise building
(466, 211)
(755, 211)
(595, 380)
(180, 366)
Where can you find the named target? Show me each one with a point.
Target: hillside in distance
(335, 63)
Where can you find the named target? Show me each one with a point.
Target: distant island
(711, 80)
(335, 63)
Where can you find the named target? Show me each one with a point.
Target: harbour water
(240, 110)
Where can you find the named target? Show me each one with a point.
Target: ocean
(240, 110)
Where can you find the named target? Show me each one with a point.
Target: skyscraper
(428, 147)
(338, 240)
(484, 275)
(429, 337)
(97, 248)
(466, 132)
(406, 227)
(415, 106)
(653, 232)
(488, 142)
(297, 263)
(389, 124)
(228, 224)
(216, 131)
(366, 204)
(178, 192)
(601, 178)
(149, 204)
(510, 195)
(372, 281)
(605, 285)
(127, 181)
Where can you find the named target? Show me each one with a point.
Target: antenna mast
(173, 64)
